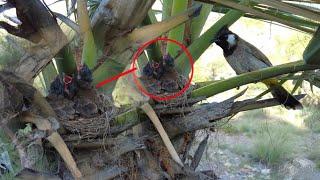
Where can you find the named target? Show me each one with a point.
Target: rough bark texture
(114, 18)
(151, 158)
(40, 24)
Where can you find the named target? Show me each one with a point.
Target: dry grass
(274, 141)
(272, 146)
(312, 119)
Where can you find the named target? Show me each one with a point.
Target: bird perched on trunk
(244, 57)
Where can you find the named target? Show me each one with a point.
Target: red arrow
(115, 77)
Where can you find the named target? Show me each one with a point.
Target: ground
(243, 149)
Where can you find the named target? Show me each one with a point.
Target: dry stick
(57, 142)
(199, 153)
(164, 136)
(188, 145)
(252, 104)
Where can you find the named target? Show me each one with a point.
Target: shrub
(312, 119)
(240, 149)
(230, 129)
(272, 146)
(314, 155)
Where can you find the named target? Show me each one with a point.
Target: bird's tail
(282, 95)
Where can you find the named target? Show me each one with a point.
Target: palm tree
(104, 35)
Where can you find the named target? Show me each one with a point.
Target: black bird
(168, 60)
(154, 69)
(84, 77)
(244, 57)
(85, 73)
(63, 87)
(148, 70)
(57, 87)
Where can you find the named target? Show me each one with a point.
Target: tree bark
(43, 25)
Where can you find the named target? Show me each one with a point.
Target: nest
(160, 88)
(86, 127)
(90, 128)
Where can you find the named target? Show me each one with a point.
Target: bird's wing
(256, 53)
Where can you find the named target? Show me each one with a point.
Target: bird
(154, 69)
(163, 75)
(244, 57)
(168, 61)
(170, 78)
(88, 104)
(68, 85)
(148, 70)
(73, 96)
(84, 77)
(56, 87)
(87, 107)
(152, 72)
(63, 86)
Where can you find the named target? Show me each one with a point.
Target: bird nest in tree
(162, 80)
(88, 128)
(88, 114)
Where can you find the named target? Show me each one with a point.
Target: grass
(5, 145)
(314, 154)
(8, 176)
(223, 146)
(273, 141)
(272, 146)
(247, 123)
(312, 119)
(230, 129)
(240, 149)
(315, 157)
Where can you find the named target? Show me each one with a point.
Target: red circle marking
(139, 85)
